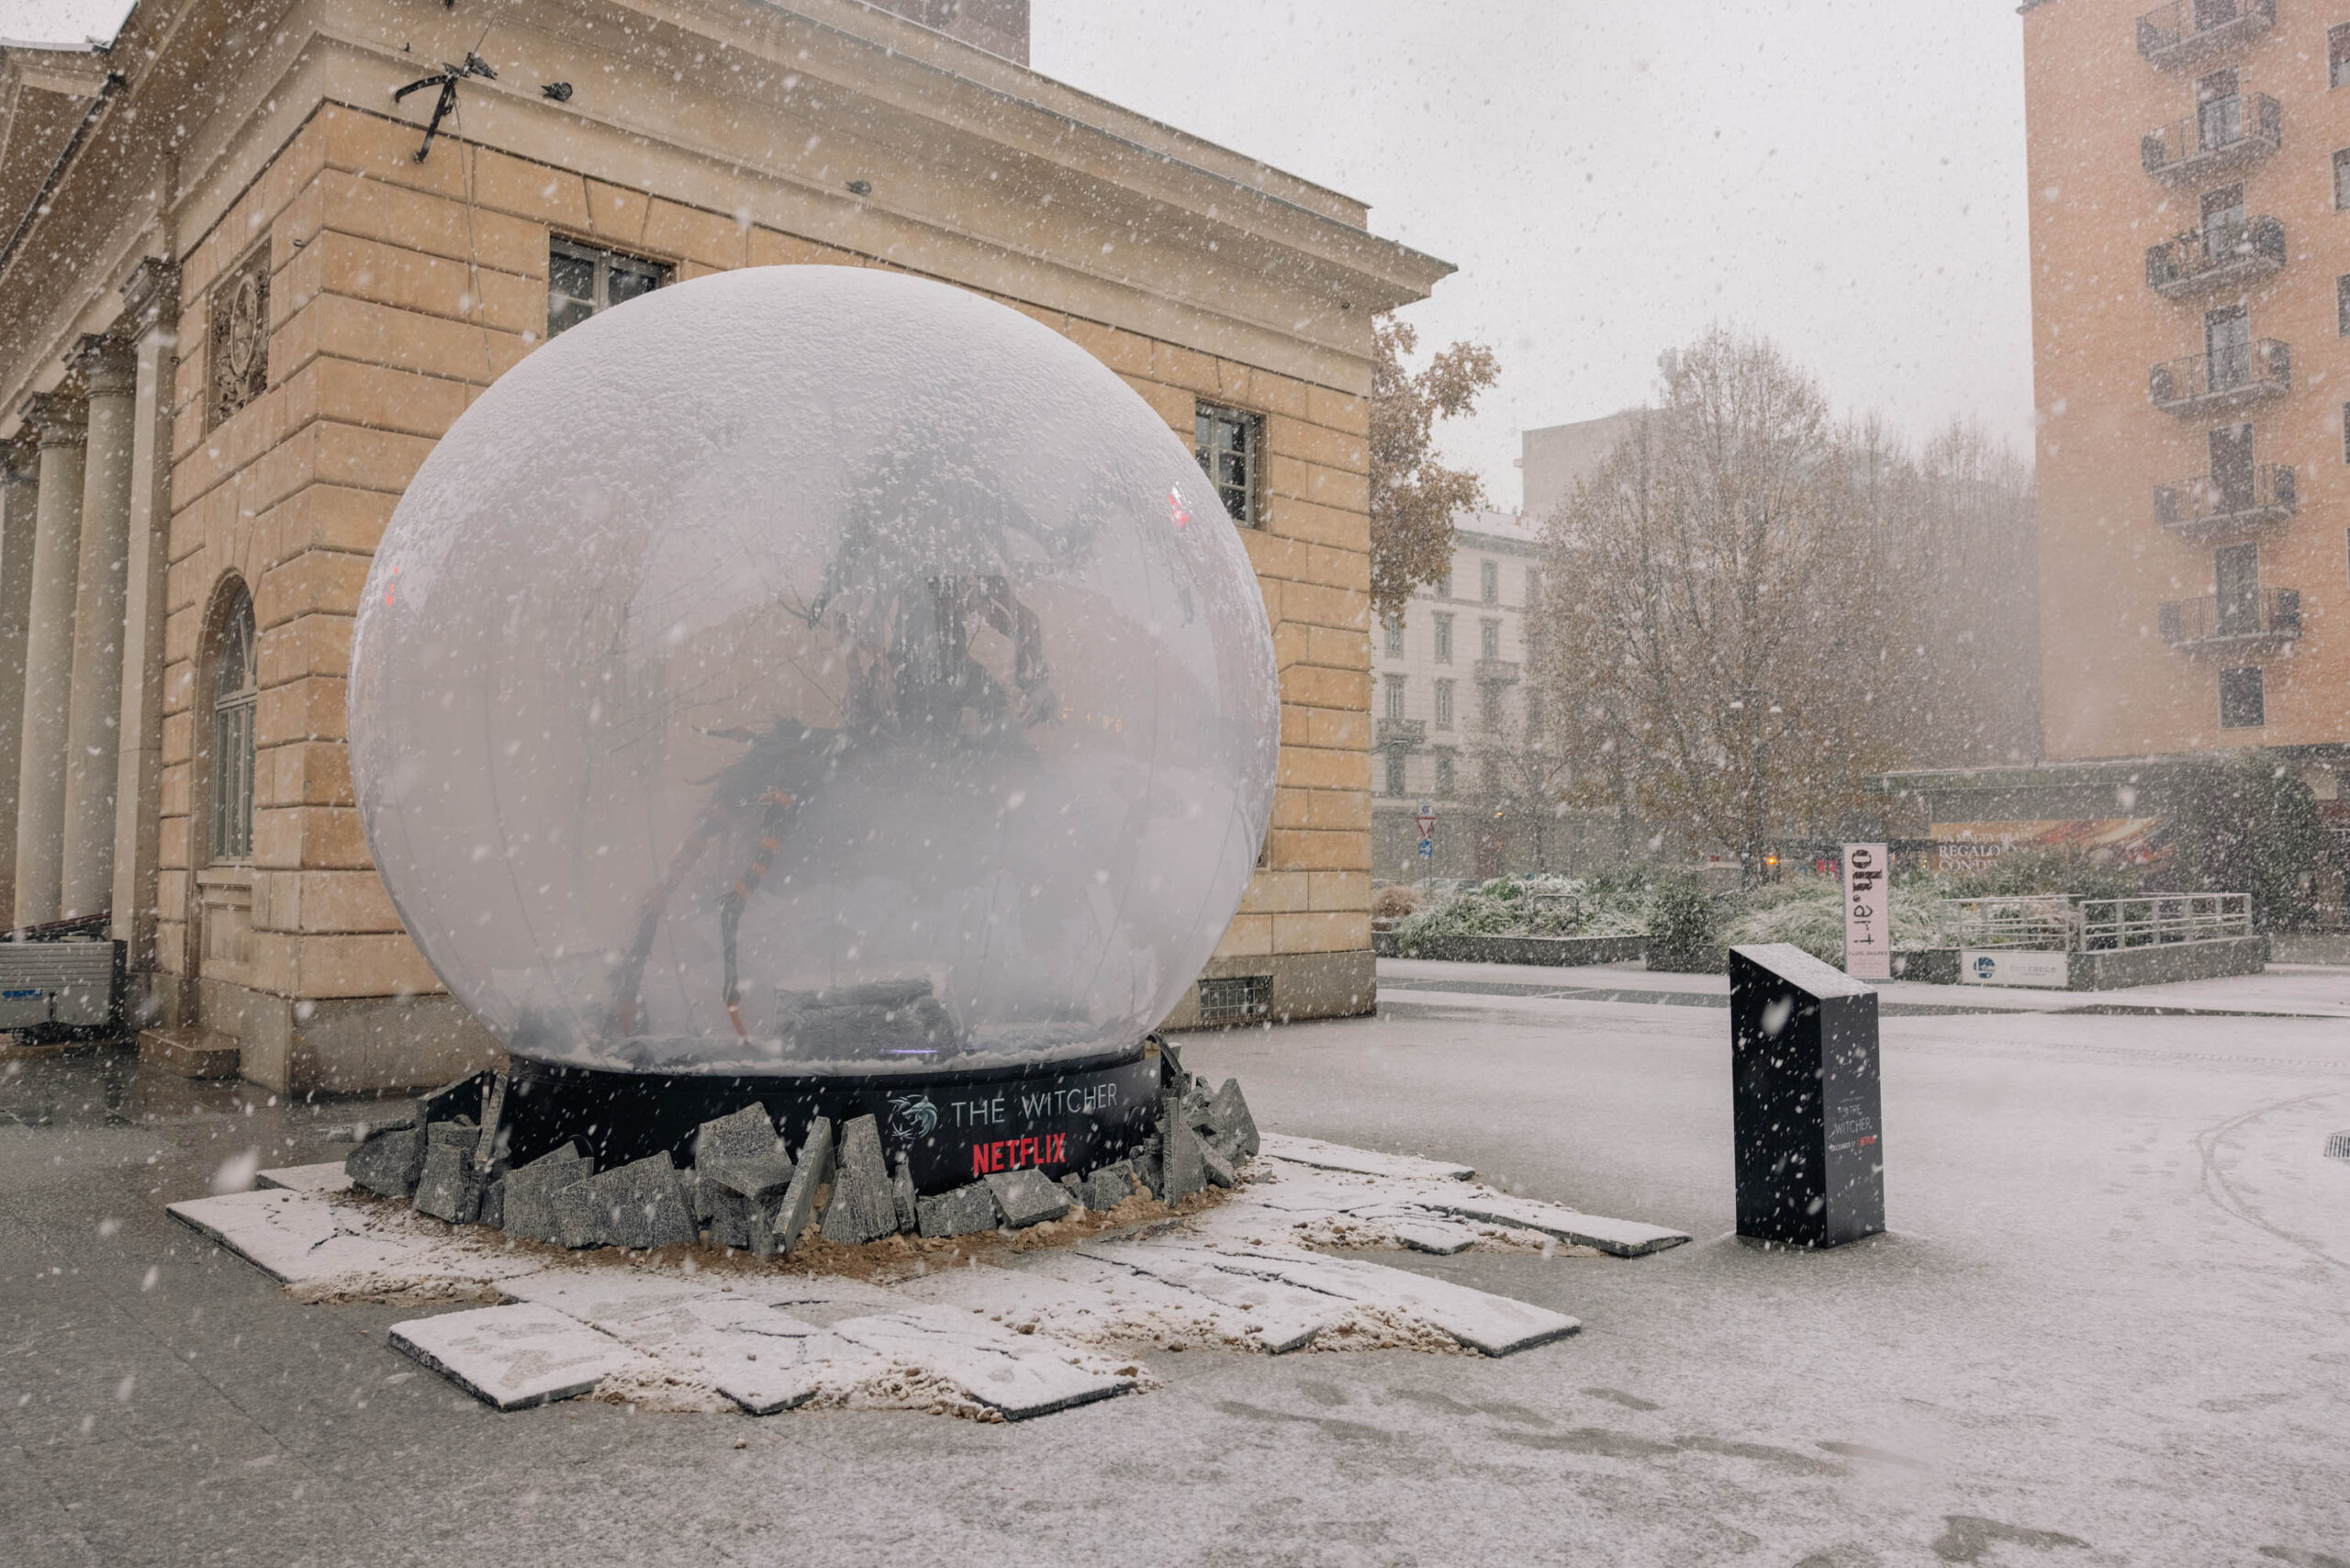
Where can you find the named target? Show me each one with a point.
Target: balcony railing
(2205, 383)
(1399, 734)
(2225, 133)
(2216, 256)
(2271, 615)
(2189, 31)
(2261, 493)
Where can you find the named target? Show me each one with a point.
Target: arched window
(233, 692)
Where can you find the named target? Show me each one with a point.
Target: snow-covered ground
(2112, 1325)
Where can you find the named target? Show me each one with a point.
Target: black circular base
(953, 1127)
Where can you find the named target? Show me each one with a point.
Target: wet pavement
(2112, 1325)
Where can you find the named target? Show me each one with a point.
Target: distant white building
(1449, 689)
(1453, 713)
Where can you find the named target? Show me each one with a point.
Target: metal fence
(2052, 923)
(2106, 924)
(2038, 922)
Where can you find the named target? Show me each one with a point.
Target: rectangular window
(1444, 774)
(1394, 636)
(2345, 432)
(1444, 639)
(1444, 584)
(1489, 582)
(585, 279)
(1533, 588)
(1395, 773)
(1444, 704)
(2337, 55)
(2235, 580)
(1228, 442)
(1489, 640)
(1489, 774)
(2342, 306)
(1533, 713)
(1395, 698)
(1489, 707)
(2342, 179)
(2243, 704)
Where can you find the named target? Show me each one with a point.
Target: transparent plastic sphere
(813, 670)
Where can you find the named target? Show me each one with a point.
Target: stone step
(194, 1052)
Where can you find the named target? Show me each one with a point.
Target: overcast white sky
(1846, 175)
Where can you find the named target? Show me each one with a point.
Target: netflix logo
(1011, 1154)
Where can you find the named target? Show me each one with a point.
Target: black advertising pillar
(1804, 1109)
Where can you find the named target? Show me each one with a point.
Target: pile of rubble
(748, 1189)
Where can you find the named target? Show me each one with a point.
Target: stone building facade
(239, 307)
(2188, 163)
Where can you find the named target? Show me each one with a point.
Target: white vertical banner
(1868, 918)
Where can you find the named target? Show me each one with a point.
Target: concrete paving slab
(515, 1357)
(328, 1176)
(1016, 1375)
(1489, 1324)
(1363, 1161)
(1616, 1237)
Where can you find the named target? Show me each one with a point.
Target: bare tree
(1713, 606)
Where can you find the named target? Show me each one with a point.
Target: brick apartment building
(2190, 185)
(237, 309)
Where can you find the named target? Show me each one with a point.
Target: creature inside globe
(813, 670)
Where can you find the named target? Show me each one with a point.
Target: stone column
(19, 495)
(56, 422)
(94, 714)
(151, 317)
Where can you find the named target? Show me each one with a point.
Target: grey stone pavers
(528, 1201)
(960, 1213)
(1230, 1126)
(775, 1232)
(863, 1205)
(450, 1188)
(1026, 1196)
(389, 1162)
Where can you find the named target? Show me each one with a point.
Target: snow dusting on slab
(1039, 1329)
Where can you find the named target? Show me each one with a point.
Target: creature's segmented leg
(656, 905)
(779, 806)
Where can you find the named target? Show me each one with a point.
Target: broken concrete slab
(901, 1189)
(530, 1192)
(1181, 1171)
(1216, 1166)
(492, 1210)
(1618, 1237)
(460, 1133)
(763, 1358)
(581, 1217)
(450, 1189)
(1230, 1126)
(742, 1153)
(515, 1357)
(729, 1214)
(1013, 1375)
(746, 1135)
(327, 1177)
(645, 1204)
(465, 1097)
(1491, 1324)
(1112, 1184)
(962, 1212)
(1363, 1161)
(390, 1162)
(1026, 1196)
(863, 1205)
(775, 1232)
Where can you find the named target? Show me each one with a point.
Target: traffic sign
(1427, 849)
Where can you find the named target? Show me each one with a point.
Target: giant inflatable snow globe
(813, 674)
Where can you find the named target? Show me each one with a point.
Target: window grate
(1236, 999)
(2338, 1147)
(585, 279)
